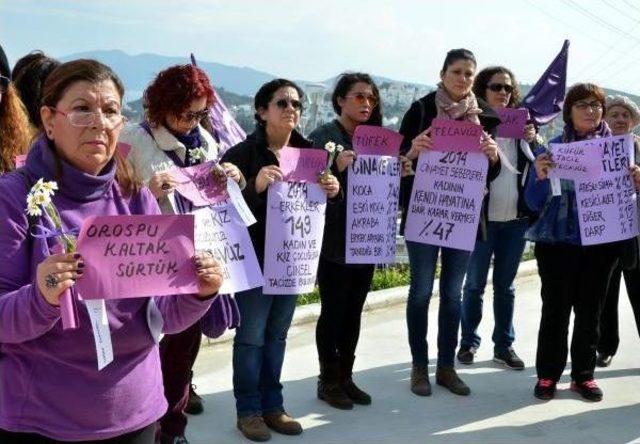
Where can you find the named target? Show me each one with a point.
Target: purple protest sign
(513, 122)
(220, 230)
(446, 199)
(302, 165)
(607, 204)
(455, 135)
(372, 197)
(376, 141)
(20, 160)
(199, 184)
(137, 256)
(294, 229)
(576, 160)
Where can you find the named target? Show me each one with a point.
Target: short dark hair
(266, 92)
(458, 54)
(344, 85)
(484, 77)
(30, 73)
(581, 91)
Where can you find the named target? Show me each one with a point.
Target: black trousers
(609, 336)
(573, 278)
(143, 436)
(343, 290)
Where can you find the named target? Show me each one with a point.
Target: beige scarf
(467, 108)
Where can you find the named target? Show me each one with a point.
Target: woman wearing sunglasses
(454, 99)
(260, 341)
(343, 287)
(171, 137)
(508, 219)
(15, 131)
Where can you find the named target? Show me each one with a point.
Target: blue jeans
(258, 351)
(422, 261)
(505, 241)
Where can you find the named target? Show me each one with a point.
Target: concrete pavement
(501, 407)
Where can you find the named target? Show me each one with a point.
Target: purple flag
(228, 132)
(546, 98)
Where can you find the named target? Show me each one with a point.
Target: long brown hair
(93, 72)
(15, 131)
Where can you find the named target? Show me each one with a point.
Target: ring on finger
(50, 281)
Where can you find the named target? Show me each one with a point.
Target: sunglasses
(284, 103)
(190, 116)
(4, 84)
(497, 87)
(362, 98)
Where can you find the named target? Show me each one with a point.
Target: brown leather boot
(330, 388)
(282, 423)
(420, 384)
(254, 428)
(447, 377)
(357, 395)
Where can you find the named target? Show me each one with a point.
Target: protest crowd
(123, 243)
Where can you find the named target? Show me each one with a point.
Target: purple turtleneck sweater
(50, 383)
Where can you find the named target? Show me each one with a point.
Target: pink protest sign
(372, 209)
(20, 160)
(199, 184)
(124, 149)
(221, 230)
(455, 135)
(376, 140)
(302, 165)
(607, 207)
(295, 225)
(513, 122)
(576, 160)
(446, 199)
(137, 256)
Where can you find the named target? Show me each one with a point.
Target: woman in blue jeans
(454, 99)
(509, 218)
(260, 341)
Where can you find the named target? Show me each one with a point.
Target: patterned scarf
(465, 109)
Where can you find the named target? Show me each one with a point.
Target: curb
(376, 300)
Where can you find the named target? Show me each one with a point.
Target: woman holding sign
(260, 341)
(51, 388)
(574, 277)
(15, 131)
(453, 100)
(508, 219)
(343, 287)
(171, 137)
(623, 116)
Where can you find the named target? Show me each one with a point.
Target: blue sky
(316, 39)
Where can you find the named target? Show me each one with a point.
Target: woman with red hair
(171, 136)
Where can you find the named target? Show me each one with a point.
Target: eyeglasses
(4, 84)
(197, 116)
(89, 118)
(284, 103)
(362, 98)
(582, 105)
(497, 87)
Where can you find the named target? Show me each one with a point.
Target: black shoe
(167, 439)
(466, 354)
(603, 360)
(194, 405)
(589, 390)
(509, 358)
(447, 377)
(420, 384)
(354, 392)
(545, 389)
(334, 394)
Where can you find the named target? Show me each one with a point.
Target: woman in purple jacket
(51, 390)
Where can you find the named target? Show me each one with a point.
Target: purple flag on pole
(546, 98)
(228, 132)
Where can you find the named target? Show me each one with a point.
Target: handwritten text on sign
(576, 160)
(607, 204)
(295, 224)
(372, 196)
(221, 231)
(136, 256)
(199, 184)
(513, 121)
(455, 135)
(446, 199)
